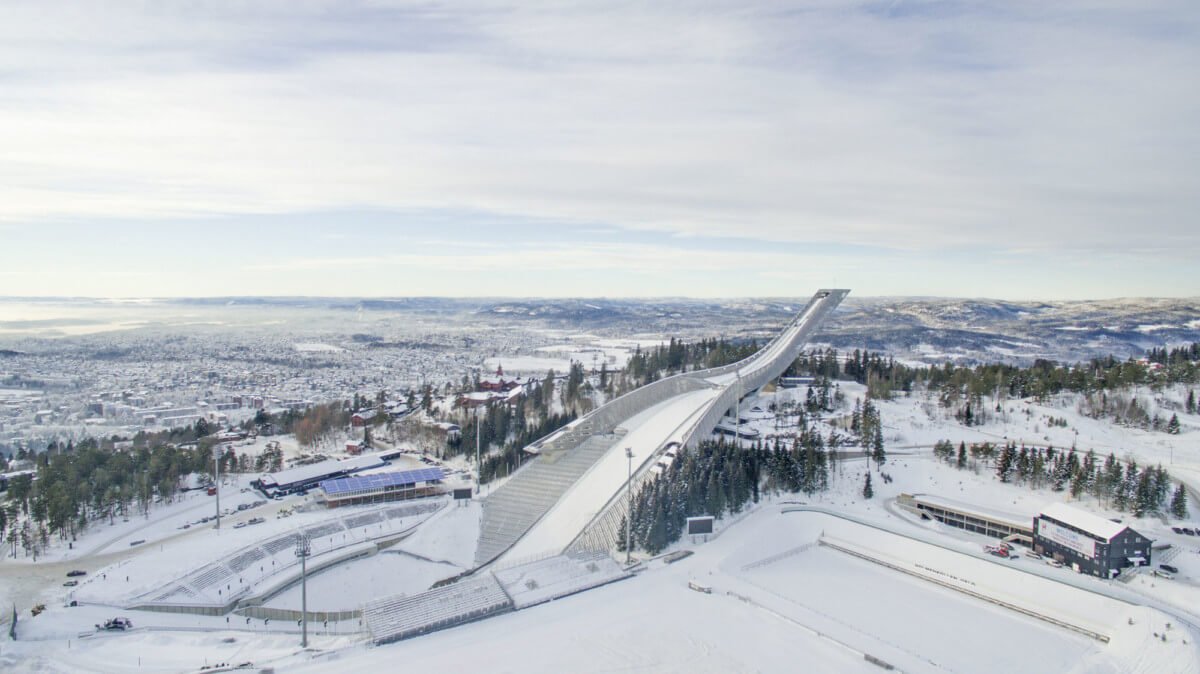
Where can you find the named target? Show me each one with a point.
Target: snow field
(442, 547)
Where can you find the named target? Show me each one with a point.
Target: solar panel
(378, 481)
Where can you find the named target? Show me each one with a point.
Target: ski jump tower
(569, 497)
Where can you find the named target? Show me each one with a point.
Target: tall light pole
(478, 440)
(303, 550)
(737, 411)
(217, 472)
(629, 515)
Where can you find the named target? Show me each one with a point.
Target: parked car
(1033, 555)
(1178, 530)
(1166, 575)
(116, 624)
(71, 583)
(137, 542)
(1189, 531)
(1168, 567)
(256, 520)
(1054, 562)
(239, 525)
(74, 573)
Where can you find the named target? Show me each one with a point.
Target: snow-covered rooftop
(1012, 519)
(1081, 519)
(313, 471)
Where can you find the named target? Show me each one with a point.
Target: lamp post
(737, 411)
(629, 515)
(478, 466)
(217, 472)
(303, 550)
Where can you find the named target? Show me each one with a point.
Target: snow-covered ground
(143, 577)
(442, 547)
(819, 606)
(450, 536)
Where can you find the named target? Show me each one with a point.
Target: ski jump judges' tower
(570, 497)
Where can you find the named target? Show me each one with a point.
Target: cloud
(579, 257)
(915, 126)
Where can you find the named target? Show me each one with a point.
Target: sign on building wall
(1067, 538)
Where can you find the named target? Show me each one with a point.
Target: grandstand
(217, 586)
(490, 593)
(968, 516)
(559, 576)
(510, 511)
(397, 618)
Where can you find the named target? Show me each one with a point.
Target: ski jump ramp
(568, 499)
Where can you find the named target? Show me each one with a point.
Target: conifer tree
(877, 452)
(1173, 425)
(1179, 508)
(1004, 464)
(1191, 402)
(1143, 495)
(961, 460)
(867, 491)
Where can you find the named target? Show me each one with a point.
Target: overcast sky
(1038, 150)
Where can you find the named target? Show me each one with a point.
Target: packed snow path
(572, 488)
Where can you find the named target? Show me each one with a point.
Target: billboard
(1067, 538)
(460, 494)
(700, 525)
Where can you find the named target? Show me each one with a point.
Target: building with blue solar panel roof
(381, 487)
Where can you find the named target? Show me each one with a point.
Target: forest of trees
(719, 478)
(1121, 485)
(883, 376)
(80, 484)
(1105, 383)
(679, 356)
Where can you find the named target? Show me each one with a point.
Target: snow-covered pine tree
(867, 491)
(1143, 494)
(877, 452)
(1004, 463)
(1179, 508)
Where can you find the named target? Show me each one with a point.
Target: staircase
(514, 508)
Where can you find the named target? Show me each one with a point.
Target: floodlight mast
(217, 481)
(478, 441)
(303, 550)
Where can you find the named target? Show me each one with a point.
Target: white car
(1054, 562)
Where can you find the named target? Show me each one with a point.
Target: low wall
(289, 615)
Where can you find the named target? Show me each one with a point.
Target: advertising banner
(1067, 538)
